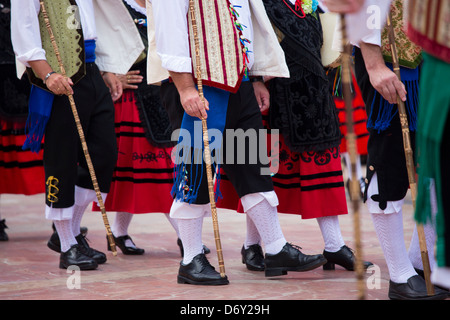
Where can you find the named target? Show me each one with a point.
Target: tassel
(40, 107)
(387, 111)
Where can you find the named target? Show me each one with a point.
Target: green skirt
(433, 115)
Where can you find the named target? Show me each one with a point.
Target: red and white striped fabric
(220, 48)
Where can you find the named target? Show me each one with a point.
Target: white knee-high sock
(191, 237)
(78, 212)
(331, 233)
(430, 236)
(83, 198)
(252, 236)
(121, 224)
(414, 251)
(265, 218)
(66, 237)
(389, 229)
(174, 223)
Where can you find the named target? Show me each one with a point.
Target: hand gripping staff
(409, 158)
(355, 192)
(207, 153)
(80, 132)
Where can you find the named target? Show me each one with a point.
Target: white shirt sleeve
(367, 24)
(25, 34)
(171, 34)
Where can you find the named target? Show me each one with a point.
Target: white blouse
(25, 34)
(172, 41)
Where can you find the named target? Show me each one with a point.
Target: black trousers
(386, 154)
(64, 160)
(243, 113)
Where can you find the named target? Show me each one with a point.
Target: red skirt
(143, 176)
(359, 118)
(21, 172)
(308, 184)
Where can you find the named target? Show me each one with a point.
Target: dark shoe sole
(395, 296)
(218, 282)
(280, 271)
(252, 268)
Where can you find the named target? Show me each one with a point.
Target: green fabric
(63, 16)
(433, 112)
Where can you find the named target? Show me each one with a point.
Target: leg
(251, 252)
(120, 234)
(194, 268)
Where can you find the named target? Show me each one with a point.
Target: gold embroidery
(52, 183)
(409, 54)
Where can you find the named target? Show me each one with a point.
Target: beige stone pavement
(29, 270)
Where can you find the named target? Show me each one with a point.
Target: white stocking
(66, 237)
(191, 237)
(265, 218)
(331, 233)
(252, 236)
(120, 226)
(174, 223)
(389, 229)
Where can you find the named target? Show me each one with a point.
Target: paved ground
(29, 270)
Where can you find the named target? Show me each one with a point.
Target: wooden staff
(355, 191)
(207, 153)
(409, 158)
(80, 132)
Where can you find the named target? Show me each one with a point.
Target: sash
(382, 112)
(221, 50)
(40, 108)
(427, 25)
(190, 147)
(222, 54)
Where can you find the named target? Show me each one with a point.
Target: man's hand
(344, 6)
(130, 79)
(383, 79)
(262, 95)
(56, 82)
(59, 85)
(114, 85)
(189, 96)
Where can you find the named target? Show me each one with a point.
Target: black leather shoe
(414, 289)
(98, 256)
(200, 272)
(3, 235)
(180, 245)
(120, 242)
(422, 275)
(291, 259)
(344, 257)
(253, 257)
(55, 244)
(75, 257)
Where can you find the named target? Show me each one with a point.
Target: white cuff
(184, 210)
(176, 64)
(58, 213)
(374, 206)
(250, 200)
(32, 55)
